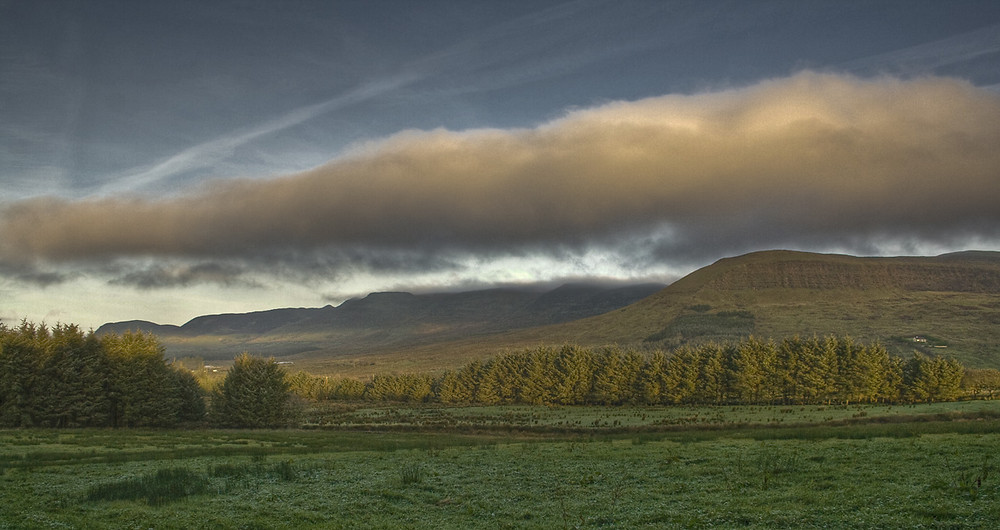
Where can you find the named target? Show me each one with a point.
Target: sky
(164, 160)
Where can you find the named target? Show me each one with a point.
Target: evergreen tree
(949, 377)
(920, 379)
(74, 380)
(143, 390)
(190, 396)
(21, 355)
(791, 367)
(652, 379)
(347, 389)
(713, 382)
(417, 387)
(982, 382)
(573, 375)
(608, 386)
(490, 388)
(254, 394)
(753, 371)
(537, 372)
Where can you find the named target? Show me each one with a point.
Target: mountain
(952, 301)
(949, 304)
(387, 321)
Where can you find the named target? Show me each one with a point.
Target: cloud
(214, 151)
(33, 275)
(982, 44)
(812, 160)
(181, 275)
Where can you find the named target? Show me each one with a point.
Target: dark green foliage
(411, 474)
(932, 379)
(166, 485)
(62, 377)
(145, 392)
(283, 470)
(74, 380)
(793, 371)
(254, 394)
(20, 373)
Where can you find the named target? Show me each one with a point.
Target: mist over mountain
(952, 301)
(387, 320)
(944, 305)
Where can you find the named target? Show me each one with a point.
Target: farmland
(521, 467)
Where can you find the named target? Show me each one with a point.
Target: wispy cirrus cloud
(939, 55)
(212, 152)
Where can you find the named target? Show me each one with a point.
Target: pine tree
(573, 375)
(753, 371)
(254, 394)
(21, 354)
(143, 390)
(607, 387)
(652, 379)
(682, 375)
(712, 383)
(920, 379)
(537, 373)
(74, 380)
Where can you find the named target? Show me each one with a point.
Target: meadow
(929, 466)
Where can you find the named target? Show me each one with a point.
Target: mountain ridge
(952, 300)
(955, 297)
(386, 320)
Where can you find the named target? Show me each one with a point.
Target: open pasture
(932, 466)
(589, 419)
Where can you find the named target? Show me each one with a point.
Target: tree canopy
(792, 371)
(255, 393)
(63, 377)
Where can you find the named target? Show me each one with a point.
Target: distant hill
(949, 304)
(383, 322)
(951, 301)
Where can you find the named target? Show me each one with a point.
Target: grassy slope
(952, 300)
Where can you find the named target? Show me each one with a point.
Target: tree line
(753, 371)
(63, 377)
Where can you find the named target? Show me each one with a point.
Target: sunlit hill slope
(944, 305)
(948, 304)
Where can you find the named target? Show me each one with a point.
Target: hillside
(952, 301)
(949, 303)
(385, 322)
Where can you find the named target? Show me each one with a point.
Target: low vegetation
(922, 470)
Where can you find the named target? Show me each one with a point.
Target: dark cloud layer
(811, 160)
(182, 275)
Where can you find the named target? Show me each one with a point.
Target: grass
(161, 487)
(726, 326)
(610, 419)
(905, 470)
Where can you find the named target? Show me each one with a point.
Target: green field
(522, 467)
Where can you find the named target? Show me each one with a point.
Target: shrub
(168, 484)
